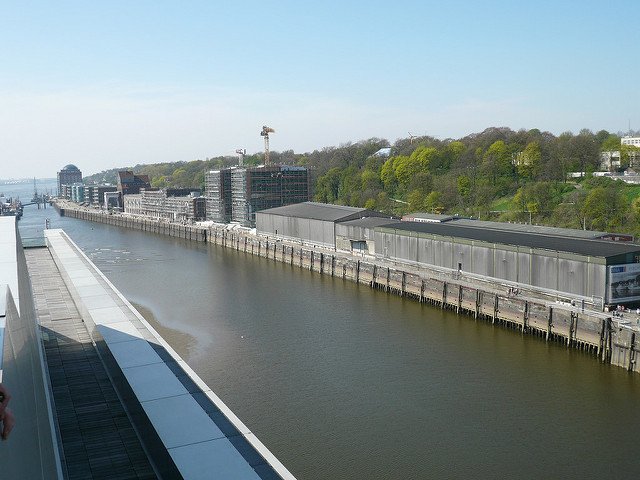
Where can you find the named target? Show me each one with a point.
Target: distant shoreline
(16, 181)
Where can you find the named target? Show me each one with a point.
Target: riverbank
(611, 339)
(181, 341)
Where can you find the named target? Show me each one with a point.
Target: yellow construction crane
(265, 133)
(412, 136)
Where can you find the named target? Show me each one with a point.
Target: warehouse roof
(562, 243)
(527, 228)
(369, 222)
(428, 217)
(321, 211)
(518, 227)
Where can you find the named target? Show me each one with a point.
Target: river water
(342, 381)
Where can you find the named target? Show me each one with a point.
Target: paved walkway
(98, 440)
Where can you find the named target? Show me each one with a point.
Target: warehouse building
(358, 236)
(574, 265)
(314, 223)
(599, 266)
(517, 227)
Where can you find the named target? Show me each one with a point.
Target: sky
(115, 83)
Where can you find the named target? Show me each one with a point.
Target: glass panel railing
(34, 242)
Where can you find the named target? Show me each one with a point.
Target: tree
(602, 136)
(350, 192)
(496, 164)
(485, 193)
(388, 176)
(562, 153)
(422, 181)
(374, 163)
(432, 202)
(543, 196)
(605, 208)
(328, 186)
(528, 161)
(491, 160)
(611, 143)
(535, 198)
(406, 168)
(416, 201)
(384, 204)
(635, 207)
(370, 180)
(521, 199)
(424, 156)
(198, 181)
(629, 155)
(584, 153)
(464, 187)
(448, 155)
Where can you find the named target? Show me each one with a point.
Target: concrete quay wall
(611, 339)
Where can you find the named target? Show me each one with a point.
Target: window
(358, 246)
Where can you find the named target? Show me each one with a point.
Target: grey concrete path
(98, 440)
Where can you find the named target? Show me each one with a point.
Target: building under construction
(236, 194)
(218, 195)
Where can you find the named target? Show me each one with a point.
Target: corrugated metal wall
(317, 232)
(573, 274)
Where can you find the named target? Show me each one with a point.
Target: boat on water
(8, 207)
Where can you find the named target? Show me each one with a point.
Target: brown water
(341, 381)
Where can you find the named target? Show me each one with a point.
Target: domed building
(69, 175)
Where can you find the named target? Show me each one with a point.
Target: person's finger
(4, 397)
(8, 424)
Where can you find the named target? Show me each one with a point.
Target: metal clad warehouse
(308, 222)
(359, 235)
(570, 264)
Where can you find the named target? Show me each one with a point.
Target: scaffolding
(258, 188)
(240, 207)
(218, 193)
(252, 189)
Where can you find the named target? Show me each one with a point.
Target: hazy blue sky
(116, 83)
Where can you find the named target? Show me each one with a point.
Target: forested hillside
(499, 174)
